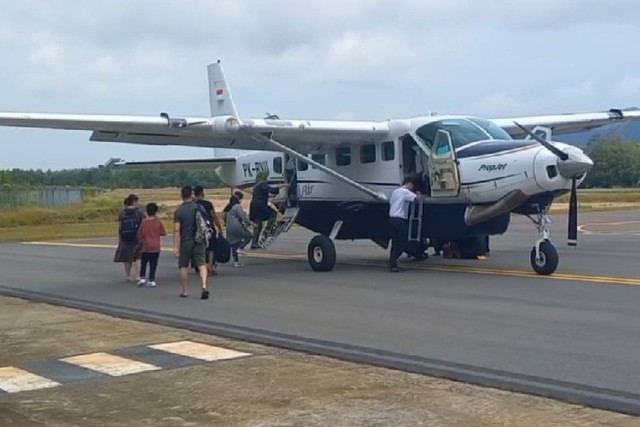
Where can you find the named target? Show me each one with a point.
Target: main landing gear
(321, 252)
(544, 256)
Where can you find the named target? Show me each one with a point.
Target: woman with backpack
(129, 249)
(237, 222)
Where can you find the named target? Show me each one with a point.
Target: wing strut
(262, 138)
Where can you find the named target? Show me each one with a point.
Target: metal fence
(15, 197)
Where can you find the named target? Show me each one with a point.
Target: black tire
(321, 254)
(548, 261)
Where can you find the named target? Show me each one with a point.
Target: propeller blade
(572, 239)
(561, 154)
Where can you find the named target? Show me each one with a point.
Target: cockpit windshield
(491, 128)
(463, 131)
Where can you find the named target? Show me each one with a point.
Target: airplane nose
(577, 164)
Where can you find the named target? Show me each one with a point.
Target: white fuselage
(483, 178)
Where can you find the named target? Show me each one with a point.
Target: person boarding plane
(476, 172)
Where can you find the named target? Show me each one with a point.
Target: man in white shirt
(398, 220)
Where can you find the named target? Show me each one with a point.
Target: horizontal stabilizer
(171, 164)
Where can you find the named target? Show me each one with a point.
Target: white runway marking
(13, 380)
(198, 351)
(110, 364)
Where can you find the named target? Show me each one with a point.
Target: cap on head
(262, 176)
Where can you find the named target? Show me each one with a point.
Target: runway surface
(573, 336)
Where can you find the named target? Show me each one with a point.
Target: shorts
(191, 253)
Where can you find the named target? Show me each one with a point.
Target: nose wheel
(544, 256)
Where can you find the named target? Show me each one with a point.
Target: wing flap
(173, 164)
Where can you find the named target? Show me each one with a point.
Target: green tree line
(109, 178)
(616, 163)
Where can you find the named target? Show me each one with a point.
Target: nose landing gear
(544, 256)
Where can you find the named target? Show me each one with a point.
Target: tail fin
(220, 98)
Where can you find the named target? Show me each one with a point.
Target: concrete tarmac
(573, 336)
(49, 378)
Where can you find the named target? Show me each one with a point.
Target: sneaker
(151, 284)
(241, 252)
(237, 264)
(142, 281)
(205, 294)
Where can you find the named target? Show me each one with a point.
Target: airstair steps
(280, 226)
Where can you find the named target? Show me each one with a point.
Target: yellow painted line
(515, 273)
(72, 245)
(269, 255)
(434, 267)
(13, 380)
(109, 364)
(199, 351)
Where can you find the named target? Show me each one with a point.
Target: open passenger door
(443, 173)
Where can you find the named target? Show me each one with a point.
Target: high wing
(224, 129)
(566, 123)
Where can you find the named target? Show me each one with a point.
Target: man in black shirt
(212, 217)
(259, 210)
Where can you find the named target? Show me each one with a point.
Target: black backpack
(222, 250)
(129, 225)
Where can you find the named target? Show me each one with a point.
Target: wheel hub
(541, 259)
(317, 254)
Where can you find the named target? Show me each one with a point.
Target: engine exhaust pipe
(477, 214)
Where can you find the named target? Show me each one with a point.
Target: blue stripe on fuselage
(492, 147)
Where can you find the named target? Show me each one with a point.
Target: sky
(326, 59)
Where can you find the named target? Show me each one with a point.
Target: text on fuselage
(305, 190)
(250, 169)
(493, 167)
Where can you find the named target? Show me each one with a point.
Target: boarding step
(415, 220)
(281, 226)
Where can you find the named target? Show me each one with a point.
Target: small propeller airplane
(476, 172)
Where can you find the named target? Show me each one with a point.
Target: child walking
(149, 234)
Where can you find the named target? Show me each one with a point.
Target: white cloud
(361, 58)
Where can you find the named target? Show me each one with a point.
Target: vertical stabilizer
(220, 99)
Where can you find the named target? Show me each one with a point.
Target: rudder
(220, 99)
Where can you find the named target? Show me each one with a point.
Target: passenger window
(319, 158)
(343, 156)
(302, 165)
(368, 153)
(388, 151)
(277, 164)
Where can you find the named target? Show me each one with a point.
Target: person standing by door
(398, 220)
